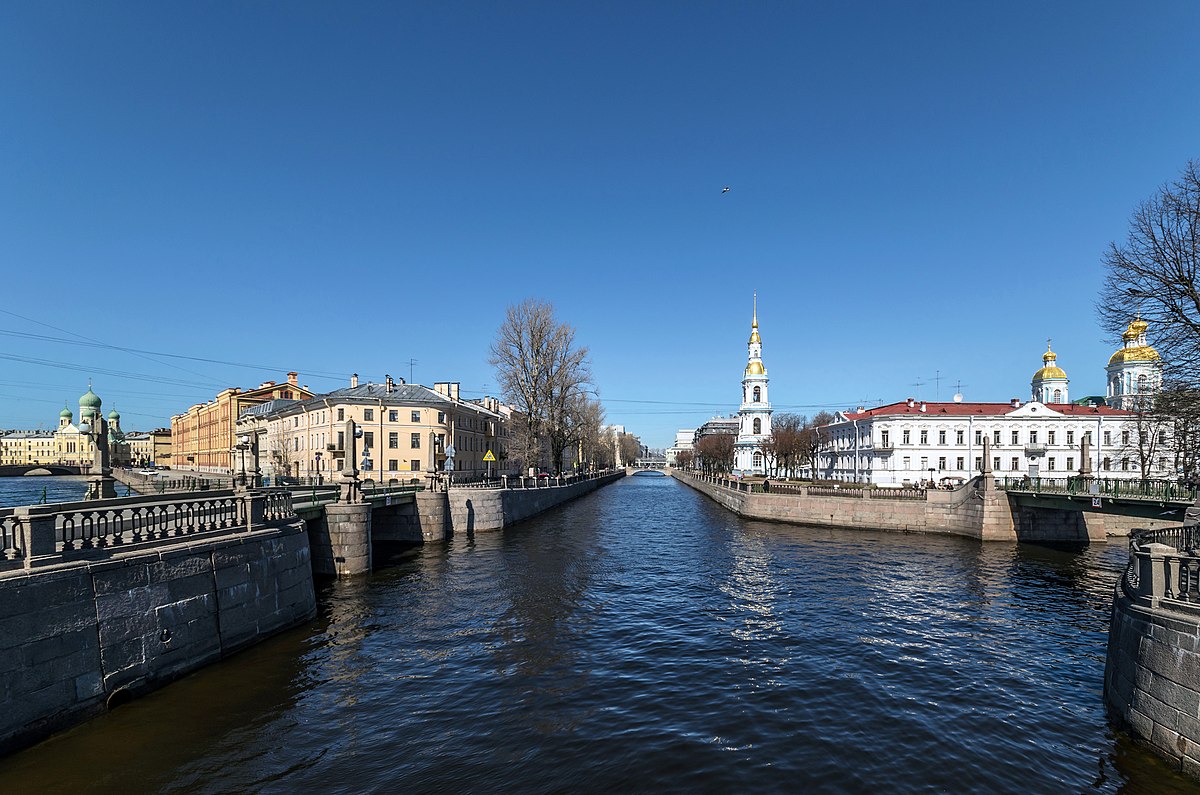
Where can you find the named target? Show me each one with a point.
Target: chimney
(910, 402)
(353, 380)
(294, 379)
(389, 385)
(1015, 402)
(922, 405)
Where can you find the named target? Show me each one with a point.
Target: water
(644, 639)
(29, 490)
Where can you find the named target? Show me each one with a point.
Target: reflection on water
(642, 638)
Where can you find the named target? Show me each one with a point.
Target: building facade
(683, 442)
(754, 413)
(915, 441)
(203, 437)
(409, 430)
(67, 444)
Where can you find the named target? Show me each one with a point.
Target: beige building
(203, 437)
(408, 430)
(150, 448)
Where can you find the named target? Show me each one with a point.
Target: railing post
(38, 531)
(256, 509)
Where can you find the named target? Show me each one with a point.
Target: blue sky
(918, 189)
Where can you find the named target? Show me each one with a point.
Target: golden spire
(754, 338)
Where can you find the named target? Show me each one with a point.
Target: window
(959, 436)
(757, 456)
(414, 465)
(757, 429)
(1125, 464)
(996, 438)
(941, 437)
(1058, 396)
(393, 441)
(341, 415)
(1050, 437)
(1070, 437)
(1070, 464)
(1141, 383)
(996, 463)
(978, 437)
(978, 463)
(941, 463)
(959, 463)
(368, 439)
(906, 437)
(1016, 463)
(295, 422)
(757, 394)
(1033, 437)
(1016, 437)
(297, 442)
(924, 437)
(907, 463)
(393, 416)
(442, 417)
(1162, 437)
(1124, 437)
(1106, 464)
(368, 415)
(883, 439)
(1108, 437)
(415, 442)
(1050, 463)
(341, 440)
(416, 416)
(392, 465)
(924, 463)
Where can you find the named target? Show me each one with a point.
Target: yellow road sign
(489, 457)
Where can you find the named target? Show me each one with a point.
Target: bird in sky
(725, 189)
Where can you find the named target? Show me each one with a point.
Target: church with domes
(73, 448)
(916, 441)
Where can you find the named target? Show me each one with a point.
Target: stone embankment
(1152, 673)
(104, 600)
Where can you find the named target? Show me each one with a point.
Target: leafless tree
(785, 447)
(1143, 437)
(545, 375)
(1181, 405)
(630, 447)
(812, 436)
(716, 452)
(684, 459)
(1155, 271)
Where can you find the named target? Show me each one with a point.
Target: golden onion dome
(754, 338)
(1136, 353)
(755, 368)
(1049, 372)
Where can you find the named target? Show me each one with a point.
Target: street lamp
(242, 446)
(317, 458)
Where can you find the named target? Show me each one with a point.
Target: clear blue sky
(916, 188)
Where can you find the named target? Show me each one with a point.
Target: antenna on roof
(918, 384)
(958, 398)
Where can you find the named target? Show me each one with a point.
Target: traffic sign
(1095, 502)
(488, 456)
(450, 451)
(449, 464)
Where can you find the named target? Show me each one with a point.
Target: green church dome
(113, 415)
(65, 413)
(89, 400)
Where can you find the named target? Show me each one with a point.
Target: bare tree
(544, 375)
(1144, 435)
(1155, 271)
(630, 447)
(716, 452)
(786, 444)
(684, 458)
(1182, 405)
(812, 436)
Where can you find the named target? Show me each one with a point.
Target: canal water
(644, 639)
(34, 490)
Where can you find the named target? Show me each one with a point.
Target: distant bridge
(651, 462)
(17, 470)
(1164, 500)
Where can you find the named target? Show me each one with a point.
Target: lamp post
(242, 446)
(317, 460)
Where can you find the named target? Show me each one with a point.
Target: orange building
(203, 437)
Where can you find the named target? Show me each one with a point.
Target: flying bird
(725, 189)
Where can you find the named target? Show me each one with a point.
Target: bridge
(650, 462)
(1163, 500)
(19, 470)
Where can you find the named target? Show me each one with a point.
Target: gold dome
(755, 368)
(1049, 372)
(1138, 353)
(754, 338)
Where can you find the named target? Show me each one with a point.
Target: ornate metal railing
(850, 491)
(1164, 568)
(43, 534)
(1113, 488)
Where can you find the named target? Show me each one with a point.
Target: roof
(266, 408)
(29, 435)
(402, 395)
(977, 409)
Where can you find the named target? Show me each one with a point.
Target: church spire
(754, 338)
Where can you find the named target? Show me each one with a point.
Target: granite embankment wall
(75, 636)
(435, 516)
(1152, 673)
(957, 512)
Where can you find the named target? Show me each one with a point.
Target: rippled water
(33, 490)
(644, 639)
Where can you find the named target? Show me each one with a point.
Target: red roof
(979, 409)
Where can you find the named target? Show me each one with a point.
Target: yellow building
(202, 438)
(67, 444)
(408, 430)
(152, 448)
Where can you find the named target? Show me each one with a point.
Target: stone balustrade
(40, 535)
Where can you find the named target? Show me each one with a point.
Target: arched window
(757, 458)
(757, 394)
(1142, 383)
(757, 425)
(1058, 396)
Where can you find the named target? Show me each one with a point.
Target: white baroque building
(754, 414)
(913, 441)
